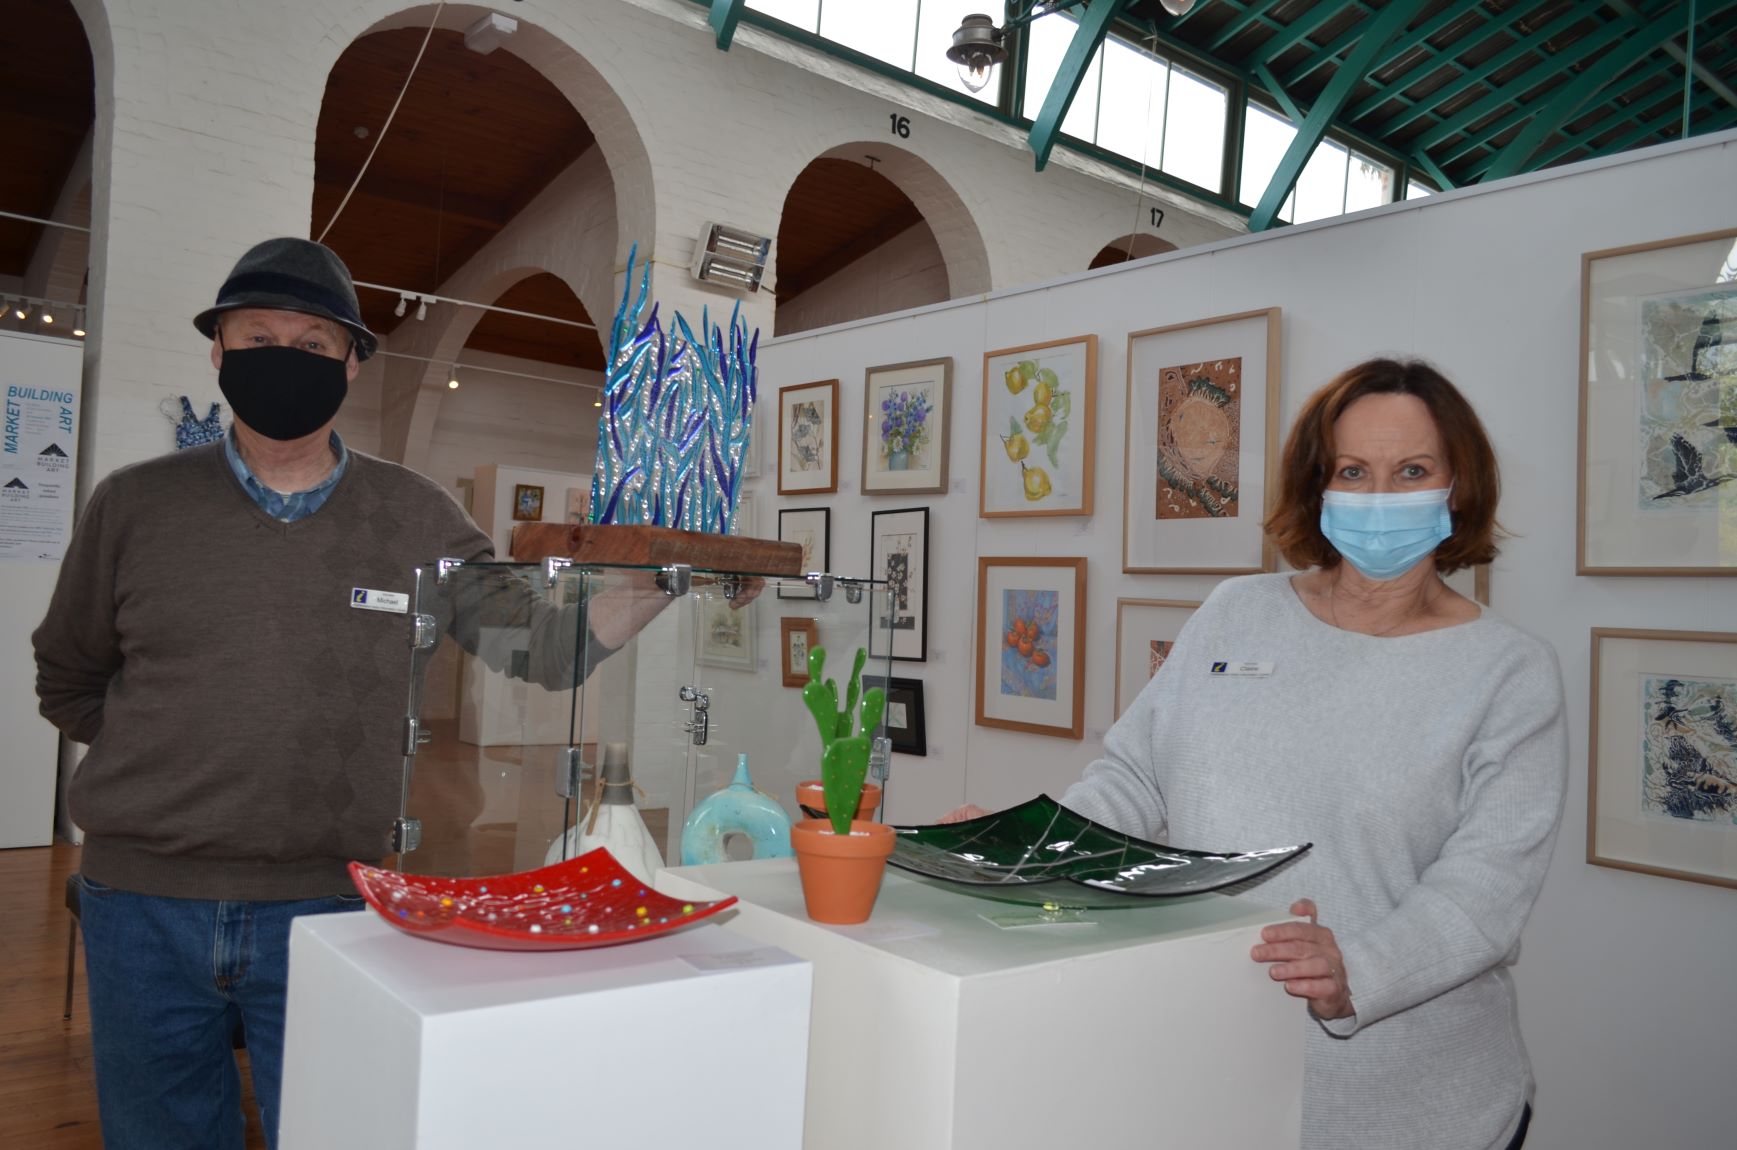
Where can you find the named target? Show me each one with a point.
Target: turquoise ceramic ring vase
(737, 809)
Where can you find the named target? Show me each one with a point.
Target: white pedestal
(698, 1038)
(935, 1029)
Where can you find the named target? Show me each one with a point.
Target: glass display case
(523, 677)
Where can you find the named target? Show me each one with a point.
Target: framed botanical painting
(904, 433)
(1039, 423)
(1031, 641)
(899, 556)
(726, 632)
(808, 438)
(1202, 439)
(904, 713)
(1146, 630)
(812, 528)
(527, 502)
(1662, 760)
(579, 504)
(1658, 408)
(796, 637)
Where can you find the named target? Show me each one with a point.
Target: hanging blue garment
(195, 432)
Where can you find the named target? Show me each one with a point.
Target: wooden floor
(47, 1085)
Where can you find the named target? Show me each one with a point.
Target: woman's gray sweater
(1428, 770)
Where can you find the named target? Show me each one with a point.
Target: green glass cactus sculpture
(844, 756)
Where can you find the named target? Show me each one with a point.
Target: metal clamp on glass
(676, 579)
(731, 585)
(406, 835)
(442, 566)
(553, 566)
(852, 591)
(423, 632)
(415, 735)
(880, 759)
(701, 726)
(822, 584)
(569, 772)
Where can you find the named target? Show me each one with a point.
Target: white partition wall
(40, 379)
(1627, 997)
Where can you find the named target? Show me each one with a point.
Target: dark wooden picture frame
(912, 736)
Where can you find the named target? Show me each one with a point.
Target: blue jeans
(171, 980)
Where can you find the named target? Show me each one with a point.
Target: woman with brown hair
(1416, 739)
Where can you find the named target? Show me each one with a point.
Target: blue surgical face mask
(1385, 534)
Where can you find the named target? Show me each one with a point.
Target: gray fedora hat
(290, 274)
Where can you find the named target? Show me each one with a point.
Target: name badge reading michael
(1242, 667)
(365, 600)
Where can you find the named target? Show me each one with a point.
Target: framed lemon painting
(1039, 421)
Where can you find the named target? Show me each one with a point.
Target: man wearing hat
(243, 702)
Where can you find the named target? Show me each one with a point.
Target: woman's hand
(1308, 962)
(960, 814)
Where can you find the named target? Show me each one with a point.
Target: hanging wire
(1689, 71)
(381, 135)
(1145, 142)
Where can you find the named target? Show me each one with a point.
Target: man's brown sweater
(245, 721)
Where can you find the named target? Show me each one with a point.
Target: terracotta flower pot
(811, 797)
(841, 874)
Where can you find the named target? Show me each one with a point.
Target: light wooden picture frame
(796, 638)
(811, 527)
(808, 438)
(1201, 445)
(1031, 643)
(1040, 416)
(1145, 631)
(1658, 408)
(906, 414)
(1661, 792)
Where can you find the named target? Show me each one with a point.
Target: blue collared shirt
(297, 505)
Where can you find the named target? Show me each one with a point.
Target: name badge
(395, 602)
(1242, 667)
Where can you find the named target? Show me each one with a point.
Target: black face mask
(283, 392)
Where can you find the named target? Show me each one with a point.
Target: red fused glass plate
(591, 900)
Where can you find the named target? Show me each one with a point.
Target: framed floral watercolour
(904, 433)
(527, 502)
(1031, 640)
(796, 637)
(812, 528)
(899, 556)
(1039, 423)
(726, 636)
(1658, 408)
(905, 725)
(1146, 630)
(1662, 760)
(808, 438)
(1202, 437)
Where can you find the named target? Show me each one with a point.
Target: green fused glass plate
(1043, 854)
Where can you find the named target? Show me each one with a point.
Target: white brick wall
(204, 144)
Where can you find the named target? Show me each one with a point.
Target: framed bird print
(1662, 760)
(1658, 408)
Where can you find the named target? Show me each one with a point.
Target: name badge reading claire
(363, 599)
(1242, 667)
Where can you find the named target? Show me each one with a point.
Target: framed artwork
(1472, 582)
(527, 502)
(904, 714)
(1031, 639)
(578, 504)
(812, 528)
(1202, 440)
(796, 637)
(751, 450)
(1658, 408)
(747, 518)
(808, 438)
(1662, 760)
(899, 556)
(1040, 406)
(904, 428)
(1146, 630)
(726, 636)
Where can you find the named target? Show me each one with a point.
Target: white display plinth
(698, 1038)
(935, 1029)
